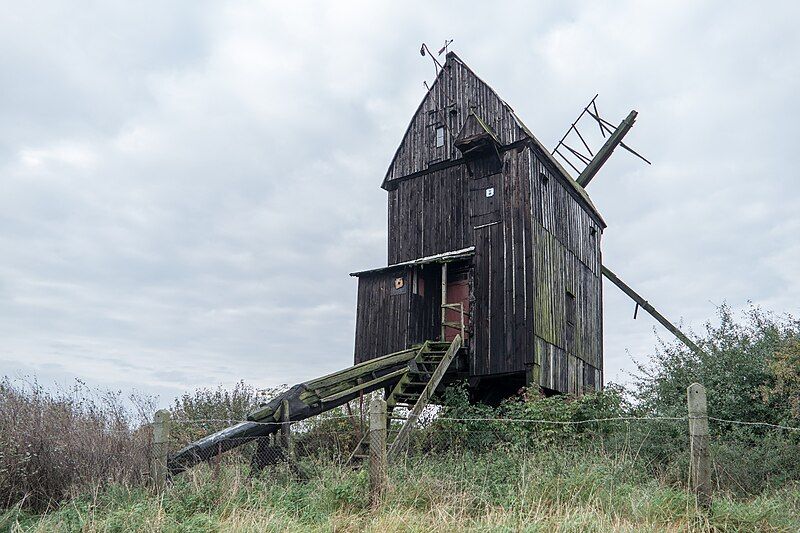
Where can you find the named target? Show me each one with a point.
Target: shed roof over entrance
(445, 257)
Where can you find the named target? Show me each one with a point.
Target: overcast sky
(184, 187)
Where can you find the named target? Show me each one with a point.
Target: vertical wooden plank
(444, 301)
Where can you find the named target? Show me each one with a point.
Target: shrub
(740, 368)
(205, 411)
(54, 444)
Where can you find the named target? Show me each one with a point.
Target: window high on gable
(439, 136)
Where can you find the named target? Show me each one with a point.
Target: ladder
(416, 387)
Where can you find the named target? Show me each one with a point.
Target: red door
(457, 292)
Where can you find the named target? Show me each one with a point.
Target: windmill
(493, 275)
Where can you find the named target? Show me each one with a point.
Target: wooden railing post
(158, 465)
(700, 467)
(378, 474)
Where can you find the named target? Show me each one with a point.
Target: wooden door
(485, 200)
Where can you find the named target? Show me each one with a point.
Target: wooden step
(438, 345)
(407, 397)
(410, 398)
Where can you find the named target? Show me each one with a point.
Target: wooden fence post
(378, 474)
(700, 468)
(286, 432)
(158, 464)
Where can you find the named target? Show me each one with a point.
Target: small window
(571, 319)
(439, 136)
(398, 285)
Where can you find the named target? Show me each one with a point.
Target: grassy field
(616, 460)
(559, 491)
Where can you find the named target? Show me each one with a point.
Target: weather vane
(423, 50)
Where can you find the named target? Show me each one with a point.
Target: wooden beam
(161, 427)
(361, 386)
(644, 304)
(378, 471)
(444, 300)
(607, 149)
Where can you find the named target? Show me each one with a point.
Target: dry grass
(55, 445)
(585, 493)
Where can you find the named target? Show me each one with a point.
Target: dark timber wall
(390, 319)
(536, 289)
(457, 90)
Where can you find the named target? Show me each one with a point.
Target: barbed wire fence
(358, 441)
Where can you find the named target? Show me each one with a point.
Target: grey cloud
(185, 188)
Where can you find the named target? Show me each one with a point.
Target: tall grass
(77, 459)
(549, 491)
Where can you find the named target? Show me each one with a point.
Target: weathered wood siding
(503, 312)
(429, 215)
(567, 260)
(388, 320)
(535, 242)
(382, 315)
(456, 90)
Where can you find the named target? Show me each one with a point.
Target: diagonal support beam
(608, 148)
(644, 304)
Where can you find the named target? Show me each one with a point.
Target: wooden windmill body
(489, 237)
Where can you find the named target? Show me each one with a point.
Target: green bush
(738, 368)
(748, 368)
(205, 411)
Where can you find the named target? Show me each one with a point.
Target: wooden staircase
(419, 381)
(416, 387)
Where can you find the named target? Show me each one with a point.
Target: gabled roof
(470, 96)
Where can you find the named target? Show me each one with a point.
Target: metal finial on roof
(443, 49)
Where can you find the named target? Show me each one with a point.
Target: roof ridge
(452, 56)
(578, 188)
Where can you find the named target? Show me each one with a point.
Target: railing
(454, 325)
